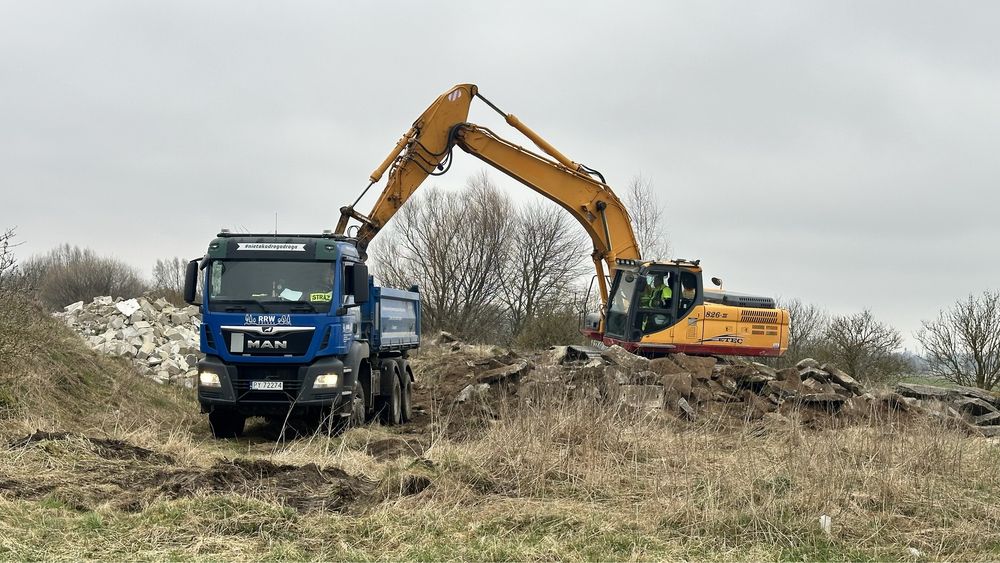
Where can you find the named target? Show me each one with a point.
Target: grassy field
(100, 464)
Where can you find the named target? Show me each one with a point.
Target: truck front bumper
(236, 388)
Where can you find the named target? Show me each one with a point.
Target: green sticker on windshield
(322, 297)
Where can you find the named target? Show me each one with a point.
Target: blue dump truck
(294, 327)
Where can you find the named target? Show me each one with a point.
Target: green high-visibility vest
(663, 294)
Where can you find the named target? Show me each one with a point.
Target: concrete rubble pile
(160, 340)
(978, 409)
(694, 387)
(702, 388)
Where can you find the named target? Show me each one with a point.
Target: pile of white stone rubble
(160, 340)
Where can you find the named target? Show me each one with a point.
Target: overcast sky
(846, 153)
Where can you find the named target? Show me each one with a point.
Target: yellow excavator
(649, 307)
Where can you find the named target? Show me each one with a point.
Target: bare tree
(546, 258)
(863, 346)
(168, 279)
(16, 315)
(808, 323)
(168, 274)
(69, 273)
(454, 245)
(963, 343)
(8, 264)
(648, 223)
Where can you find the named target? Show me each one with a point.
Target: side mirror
(191, 282)
(360, 282)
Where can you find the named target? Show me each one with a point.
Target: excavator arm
(426, 150)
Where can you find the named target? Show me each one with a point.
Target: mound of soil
(306, 488)
(393, 448)
(130, 477)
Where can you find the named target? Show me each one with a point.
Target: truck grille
(289, 376)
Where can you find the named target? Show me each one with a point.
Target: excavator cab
(651, 298)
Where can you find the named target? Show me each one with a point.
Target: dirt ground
(130, 477)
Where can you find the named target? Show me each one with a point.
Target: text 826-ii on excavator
(648, 307)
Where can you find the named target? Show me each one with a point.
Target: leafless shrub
(555, 325)
(805, 338)
(68, 274)
(864, 346)
(963, 343)
(647, 214)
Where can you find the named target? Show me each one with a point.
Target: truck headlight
(326, 381)
(209, 379)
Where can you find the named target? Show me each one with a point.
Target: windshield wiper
(304, 305)
(238, 302)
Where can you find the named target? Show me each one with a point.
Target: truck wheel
(352, 414)
(390, 411)
(226, 423)
(406, 402)
(359, 407)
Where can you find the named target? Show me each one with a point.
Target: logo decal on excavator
(730, 338)
(455, 94)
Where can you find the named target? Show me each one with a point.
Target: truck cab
(293, 326)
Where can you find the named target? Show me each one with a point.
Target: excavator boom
(685, 318)
(426, 150)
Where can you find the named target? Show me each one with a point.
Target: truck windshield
(270, 286)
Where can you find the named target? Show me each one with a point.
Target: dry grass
(572, 480)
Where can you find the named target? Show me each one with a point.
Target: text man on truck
(293, 325)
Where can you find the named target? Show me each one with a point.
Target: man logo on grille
(267, 344)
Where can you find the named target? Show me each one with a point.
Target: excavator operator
(657, 294)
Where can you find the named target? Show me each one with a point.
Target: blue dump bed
(392, 319)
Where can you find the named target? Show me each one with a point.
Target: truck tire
(226, 423)
(354, 412)
(406, 399)
(391, 407)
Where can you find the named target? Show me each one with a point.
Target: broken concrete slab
(647, 397)
(472, 391)
(807, 363)
(511, 372)
(974, 406)
(676, 384)
(923, 391)
(644, 378)
(74, 307)
(765, 370)
(622, 357)
(990, 418)
(127, 307)
(987, 396)
(822, 398)
(814, 373)
(841, 378)
(701, 367)
(686, 409)
(665, 366)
